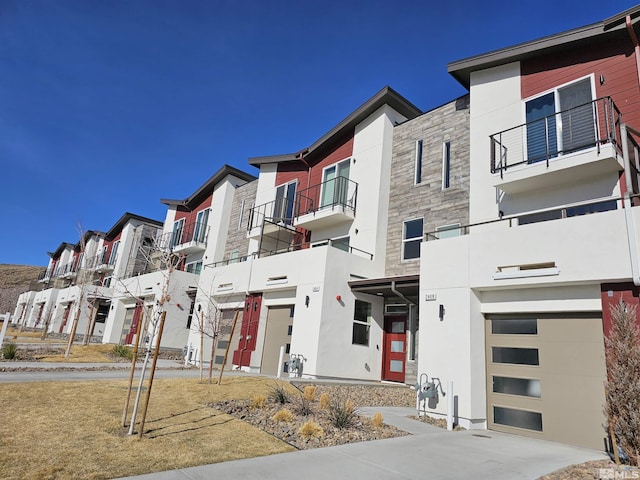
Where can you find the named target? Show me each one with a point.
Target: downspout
(628, 216)
(400, 295)
(636, 44)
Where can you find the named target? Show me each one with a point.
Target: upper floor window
(335, 184)
(200, 232)
(178, 228)
(114, 252)
(194, 267)
(418, 163)
(412, 231)
(560, 121)
(285, 199)
(446, 165)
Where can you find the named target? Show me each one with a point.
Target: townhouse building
(514, 308)
(193, 233)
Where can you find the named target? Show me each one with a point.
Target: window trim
(323, 180)
(412, 239)
(114, 252)
(367, 323)
(201, 225)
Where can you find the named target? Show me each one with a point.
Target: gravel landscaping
(322, 432)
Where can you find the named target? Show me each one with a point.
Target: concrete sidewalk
(18, 365)
(430, 453)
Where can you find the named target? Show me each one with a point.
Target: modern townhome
(319, 221)
(194, 232)
(515, 308)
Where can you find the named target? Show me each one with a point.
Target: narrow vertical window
(446, 165)
(241, 215)
(418, 169)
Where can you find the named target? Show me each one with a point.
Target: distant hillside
(15, 279)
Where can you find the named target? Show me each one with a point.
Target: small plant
(283, 415)
(376, 420)
(342, 413)
(258, 401)
(310, 393)
(310, 429)
(278, 394)
(325, 401)
(303, 405)
(9, 351)
(122, 351)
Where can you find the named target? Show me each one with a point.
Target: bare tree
(623, 382)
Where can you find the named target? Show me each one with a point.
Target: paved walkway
(430, 453)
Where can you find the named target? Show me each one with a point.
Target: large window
(114, 253)
(335, 184)
(361, 323)
(194, 267)
(283, 208)
(560, 121)
(411, 238)
(176, 237)
(200, 233)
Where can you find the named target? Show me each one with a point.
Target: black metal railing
(192, 233)
(585, 126)
(339, 192)
(279, 211)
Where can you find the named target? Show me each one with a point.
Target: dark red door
(248, 330)
(135, 322)
(65, 317)
(394, 354)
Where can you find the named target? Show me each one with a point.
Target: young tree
(623, 381)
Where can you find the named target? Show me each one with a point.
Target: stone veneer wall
(407, 200)
(237, 240)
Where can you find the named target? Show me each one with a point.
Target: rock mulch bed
(596, 469)
(362, 429)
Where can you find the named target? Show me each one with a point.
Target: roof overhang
(343, 130)
(119, 225)
(461, 69)
(408, 286)
(207, 187)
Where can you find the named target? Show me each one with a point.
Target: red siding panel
(614, 60)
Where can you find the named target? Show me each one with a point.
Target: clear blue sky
(108, 106)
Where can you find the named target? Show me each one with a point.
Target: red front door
(394, 354)
(248, 330)
(133, 329)
(65, 317)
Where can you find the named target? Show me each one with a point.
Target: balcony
(566, 147)
(102, 263)
(186, 239)
(67, 271)
(271, 217)
(329, 203)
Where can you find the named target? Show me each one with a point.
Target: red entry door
(394, 354)
(65, 317)
(248, 330)
(135, 323)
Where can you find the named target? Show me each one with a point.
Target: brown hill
(15, 279)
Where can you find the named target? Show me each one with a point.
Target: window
(550, 133)
(335, 184)
(176, 237)
(283, 207)
(103, 255)
(241, 216)
(361, 323)
(411, 238)
(191, 309)
(446, 165)
(418, 160)
(448, 231)
(200, 233)
(114, 253)
(340, 243)
(194, 267)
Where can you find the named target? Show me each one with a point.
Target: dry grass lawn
(94, 353)
(71, 430)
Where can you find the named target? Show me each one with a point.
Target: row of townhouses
(481, 243)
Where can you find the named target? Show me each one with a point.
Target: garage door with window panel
(545, 377)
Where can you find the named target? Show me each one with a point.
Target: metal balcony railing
(339, 192)
(279, 211)
(192, 233)
(585, 126)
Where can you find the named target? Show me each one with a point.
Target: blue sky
(108, 106)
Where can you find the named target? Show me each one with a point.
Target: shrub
(310, 393)
(376, 420)
(9, 350)
(310, 429)
(258, 401)
(278, 393)
(283, 415)
(303, 405)
(623, 383)
(342, 413)
(122, 351)
(325, 400)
